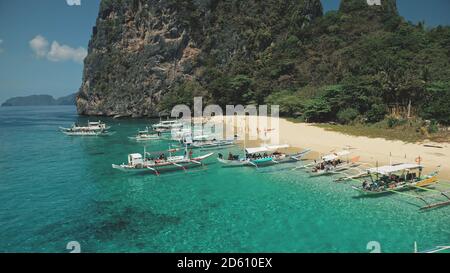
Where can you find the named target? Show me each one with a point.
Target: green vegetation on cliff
(359, 65)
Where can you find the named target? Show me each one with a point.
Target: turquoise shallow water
(55, 189)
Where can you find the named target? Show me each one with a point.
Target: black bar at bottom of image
(231, 262)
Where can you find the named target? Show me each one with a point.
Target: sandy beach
(370, 150)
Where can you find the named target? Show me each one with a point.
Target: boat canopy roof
(276, 147)
(170, 150)
(334, 156)
(146, 131)
(201, 137)
(135, 156)
(256, 150)
(164, 122)
(386, 170)
(263, 149)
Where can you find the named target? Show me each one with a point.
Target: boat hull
(144, 138)
(422, 183)
(232, 163)
(260, 162)
(333, 171)
(88, 133)
(157, 167)
(127, 169)
(213, 145)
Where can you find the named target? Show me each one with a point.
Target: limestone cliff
(142, 49)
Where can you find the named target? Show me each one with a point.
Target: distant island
(40, 100)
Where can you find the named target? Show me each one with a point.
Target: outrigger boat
(91, 129)
(436, 249)
(156, 161)
(167, 126)
(387, 179)
(205, 142)
(331, 164)
(399, 178)
(213, 144)
(145, 135)
(180, 133)
(262, 156)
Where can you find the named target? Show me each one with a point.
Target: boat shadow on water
(379, 196)
(176, 172)
(96, 153)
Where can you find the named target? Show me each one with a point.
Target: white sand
(371, 150)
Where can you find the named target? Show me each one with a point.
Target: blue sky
(433, 12)
(51, 64)
(21, 72)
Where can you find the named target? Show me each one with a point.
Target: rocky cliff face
(142, 49)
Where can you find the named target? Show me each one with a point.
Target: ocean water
(55, 189)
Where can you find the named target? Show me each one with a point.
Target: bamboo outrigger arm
(428, 204)
(253, 164)
(196, 162)
(154, 170)
(436, 205)
(178, 165)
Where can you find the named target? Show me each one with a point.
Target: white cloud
(39, 45)
(73, 2)
(57, 52)
(60, 53)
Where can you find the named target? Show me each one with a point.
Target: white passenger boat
(206, 142)
(180, 133)
(385, 179)
(91, 129)
(146, 135)
(157, 161)
(167, 126)
(88, 133)
(261, 156)
(331, 164)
